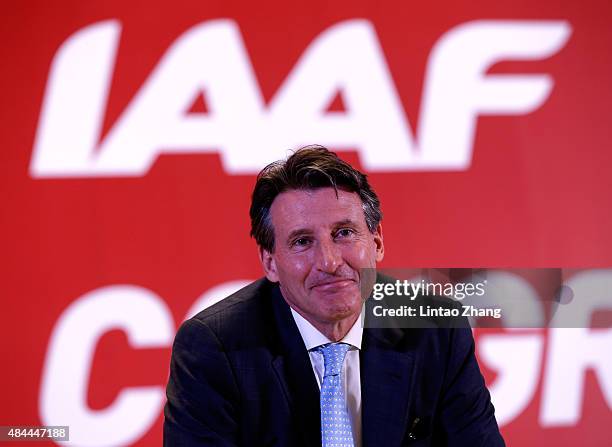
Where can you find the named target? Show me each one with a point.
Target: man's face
(321, 244)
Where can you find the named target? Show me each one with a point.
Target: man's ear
(380, 246)
(269, 264)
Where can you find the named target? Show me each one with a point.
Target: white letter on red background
(457, 88)
(147, 323)
(573, 348)
(516, 356)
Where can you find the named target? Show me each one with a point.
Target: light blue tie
(335, 423)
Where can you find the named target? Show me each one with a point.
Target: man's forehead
(320, 197)
(297, 207)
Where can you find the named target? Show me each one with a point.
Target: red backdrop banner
(133, 131)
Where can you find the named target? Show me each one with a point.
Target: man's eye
(344, 232)
(301, 242)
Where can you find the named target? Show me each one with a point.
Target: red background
(537, 193)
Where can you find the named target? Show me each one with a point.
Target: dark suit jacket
(240, 375)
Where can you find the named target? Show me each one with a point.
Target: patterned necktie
(335, 423)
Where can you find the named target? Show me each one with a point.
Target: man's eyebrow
(306, 231)
(345, 222)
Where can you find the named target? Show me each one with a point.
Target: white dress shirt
(350, 371)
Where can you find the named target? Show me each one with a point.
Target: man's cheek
(362, 255)
(299, 269)
(296, 271)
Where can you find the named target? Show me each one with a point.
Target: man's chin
(338, 307)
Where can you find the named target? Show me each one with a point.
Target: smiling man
(322, 242)
(286, 362)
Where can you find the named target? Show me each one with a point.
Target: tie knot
(333, 357)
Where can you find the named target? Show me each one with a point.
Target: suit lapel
(294, 371)
(386, 377)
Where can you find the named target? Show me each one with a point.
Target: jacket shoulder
(243, 315)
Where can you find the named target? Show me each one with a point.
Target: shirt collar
(313, 338)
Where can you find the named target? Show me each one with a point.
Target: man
(286, 362)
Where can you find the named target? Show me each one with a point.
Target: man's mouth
(333, 285)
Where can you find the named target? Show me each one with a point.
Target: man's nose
(329, 257)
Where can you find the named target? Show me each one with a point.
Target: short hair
(310, 167)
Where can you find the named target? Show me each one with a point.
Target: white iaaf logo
(346, 58)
